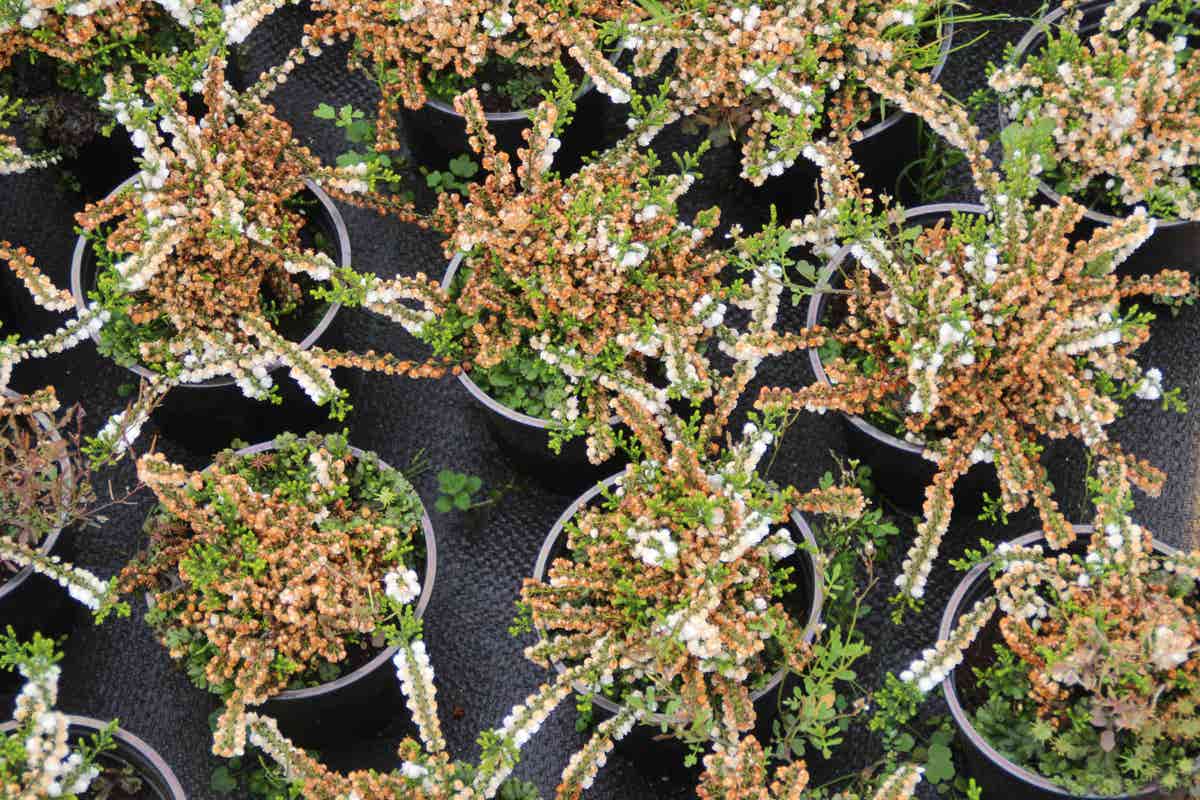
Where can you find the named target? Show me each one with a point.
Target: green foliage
(816, 716)
(851, 547)
(456, 178)
(524, 382)
(252, 776)
(359, 131)
(1073, 756)
(456, 490)
(39, 650)
(511, 789)
(993, 510)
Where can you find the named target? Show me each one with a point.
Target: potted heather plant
(45, 753)
(52, 61)
(551, 331)
(1075, 674)
(562, 292)
(282, 576)
(1143, 55)
(979, 339)
(422, 54)
(775, 80)
(1131, 142)
(207, 268)
(699, 570)
(607, 540)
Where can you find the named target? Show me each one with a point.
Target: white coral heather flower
(496, 25)
(647, 213)
(713, 313)
(547, 157)
(632, 255)
(936, 662)
(1151, 386)
(319, 460)
(1170, 648)
(402, 587)
(653, 547)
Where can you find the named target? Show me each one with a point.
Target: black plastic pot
(360, 702)
(130, 750)
(883, 153)
(526, 439)
(806, 601)
(102, 164)
(999, 777)
(33, 602)
(225, 411)
(1175, 244)
(899, 467)
(438, 133)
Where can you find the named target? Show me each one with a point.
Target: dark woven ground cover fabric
(118, 670)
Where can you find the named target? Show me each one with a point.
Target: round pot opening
(482, 397)
(810, 591)
(819, 301)
(130, 750)
(326, 216)
(973, 587)
(381, 658)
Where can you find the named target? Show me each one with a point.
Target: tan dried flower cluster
(1119, 107)
(401, 45)
(265, 567)
(779, 75)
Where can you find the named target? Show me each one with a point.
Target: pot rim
(520, 115)
(1038, 31)
(343, 244)
(483, 397)
(816, 305)
(123, 737)
(292, 695)
(950, 690)
(810, 628)
(65, 473)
